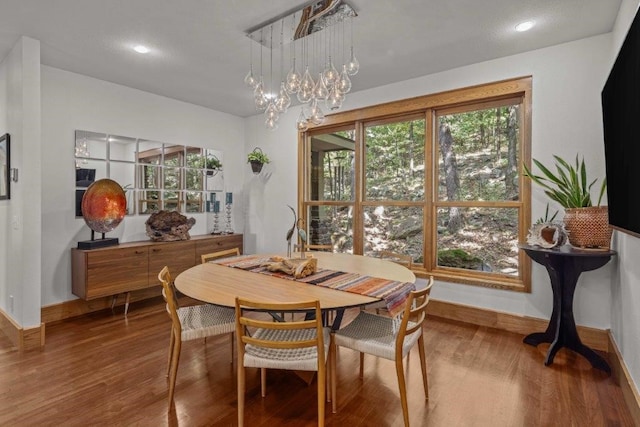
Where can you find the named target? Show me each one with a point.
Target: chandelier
(315, 38)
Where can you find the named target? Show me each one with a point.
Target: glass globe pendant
(271, 124)
(335, 99)
(302, 123)
(250, 80)
(316, 115)
(272, 112)
(283, 101)
(293, 79)
(330, 74)
(344, 84)
(353, 66)
(320, 91)
(307, 83)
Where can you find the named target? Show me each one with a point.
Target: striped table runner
(393, 293)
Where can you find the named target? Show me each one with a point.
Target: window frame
(427, 107)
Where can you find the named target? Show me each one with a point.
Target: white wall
(20, 216)
(625, 323)
(567, 80)
(72, 101)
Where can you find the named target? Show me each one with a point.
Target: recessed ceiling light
(525, 26)
(141, 49)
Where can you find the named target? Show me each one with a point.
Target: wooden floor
(105, 369)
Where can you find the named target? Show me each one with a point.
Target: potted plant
(587, 225)
(257, 159)
(212, 165)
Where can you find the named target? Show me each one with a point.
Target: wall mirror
(155, 175)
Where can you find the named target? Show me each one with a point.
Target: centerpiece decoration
(296, 267)
(587, 225)
(104, 206)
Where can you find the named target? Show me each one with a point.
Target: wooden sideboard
(132, 266)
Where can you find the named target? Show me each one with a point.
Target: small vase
(588, 227)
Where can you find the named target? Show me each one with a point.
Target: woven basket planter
(588, 227)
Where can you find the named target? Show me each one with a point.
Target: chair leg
(126, 303)
(232, 334)
(361, 365)
(322, 378)
(241, 391)
(334, 367)
(403, 390)
(423, 366)
(171, 345)
(327, 384)
(174, 369)
(263, 381)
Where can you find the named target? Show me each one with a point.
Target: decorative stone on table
(169, 226)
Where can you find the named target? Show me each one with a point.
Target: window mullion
(358, 223)
(430, 231)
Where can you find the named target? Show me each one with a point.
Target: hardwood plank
(104, 369)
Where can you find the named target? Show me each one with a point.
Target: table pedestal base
(594, 358)
(564, 267)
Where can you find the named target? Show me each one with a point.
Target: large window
(436, 177)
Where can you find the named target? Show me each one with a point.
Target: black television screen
(621, 125)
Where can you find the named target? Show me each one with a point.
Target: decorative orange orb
(104, 205)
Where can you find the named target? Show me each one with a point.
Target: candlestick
(227, 228)
(216, 227)
(216, 206)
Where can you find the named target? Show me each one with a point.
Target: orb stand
(98, 243)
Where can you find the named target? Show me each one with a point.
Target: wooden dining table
(218, 284)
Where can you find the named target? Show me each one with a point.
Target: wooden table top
(220, 285)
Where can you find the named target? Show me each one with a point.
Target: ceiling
(200, 53)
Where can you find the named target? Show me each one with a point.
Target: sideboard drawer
(115, 271)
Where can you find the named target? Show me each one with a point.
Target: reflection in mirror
(193, 178)
(91, 145)
(172, 178)
(124, 174)
(214, 171)
(91, 171)
(154, 175)
(148, 201)
(149, 152)
(173, 155)
(194, 201)
(122, 148)
(194, 158)
(171, 200)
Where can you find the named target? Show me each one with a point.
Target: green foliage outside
(486, 149)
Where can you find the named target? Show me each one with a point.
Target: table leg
(562, 331)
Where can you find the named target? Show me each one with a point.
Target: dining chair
(314, 247)
(402, 259)
(190, 323)
(220, 254)
(294, 345)
(381, 336)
